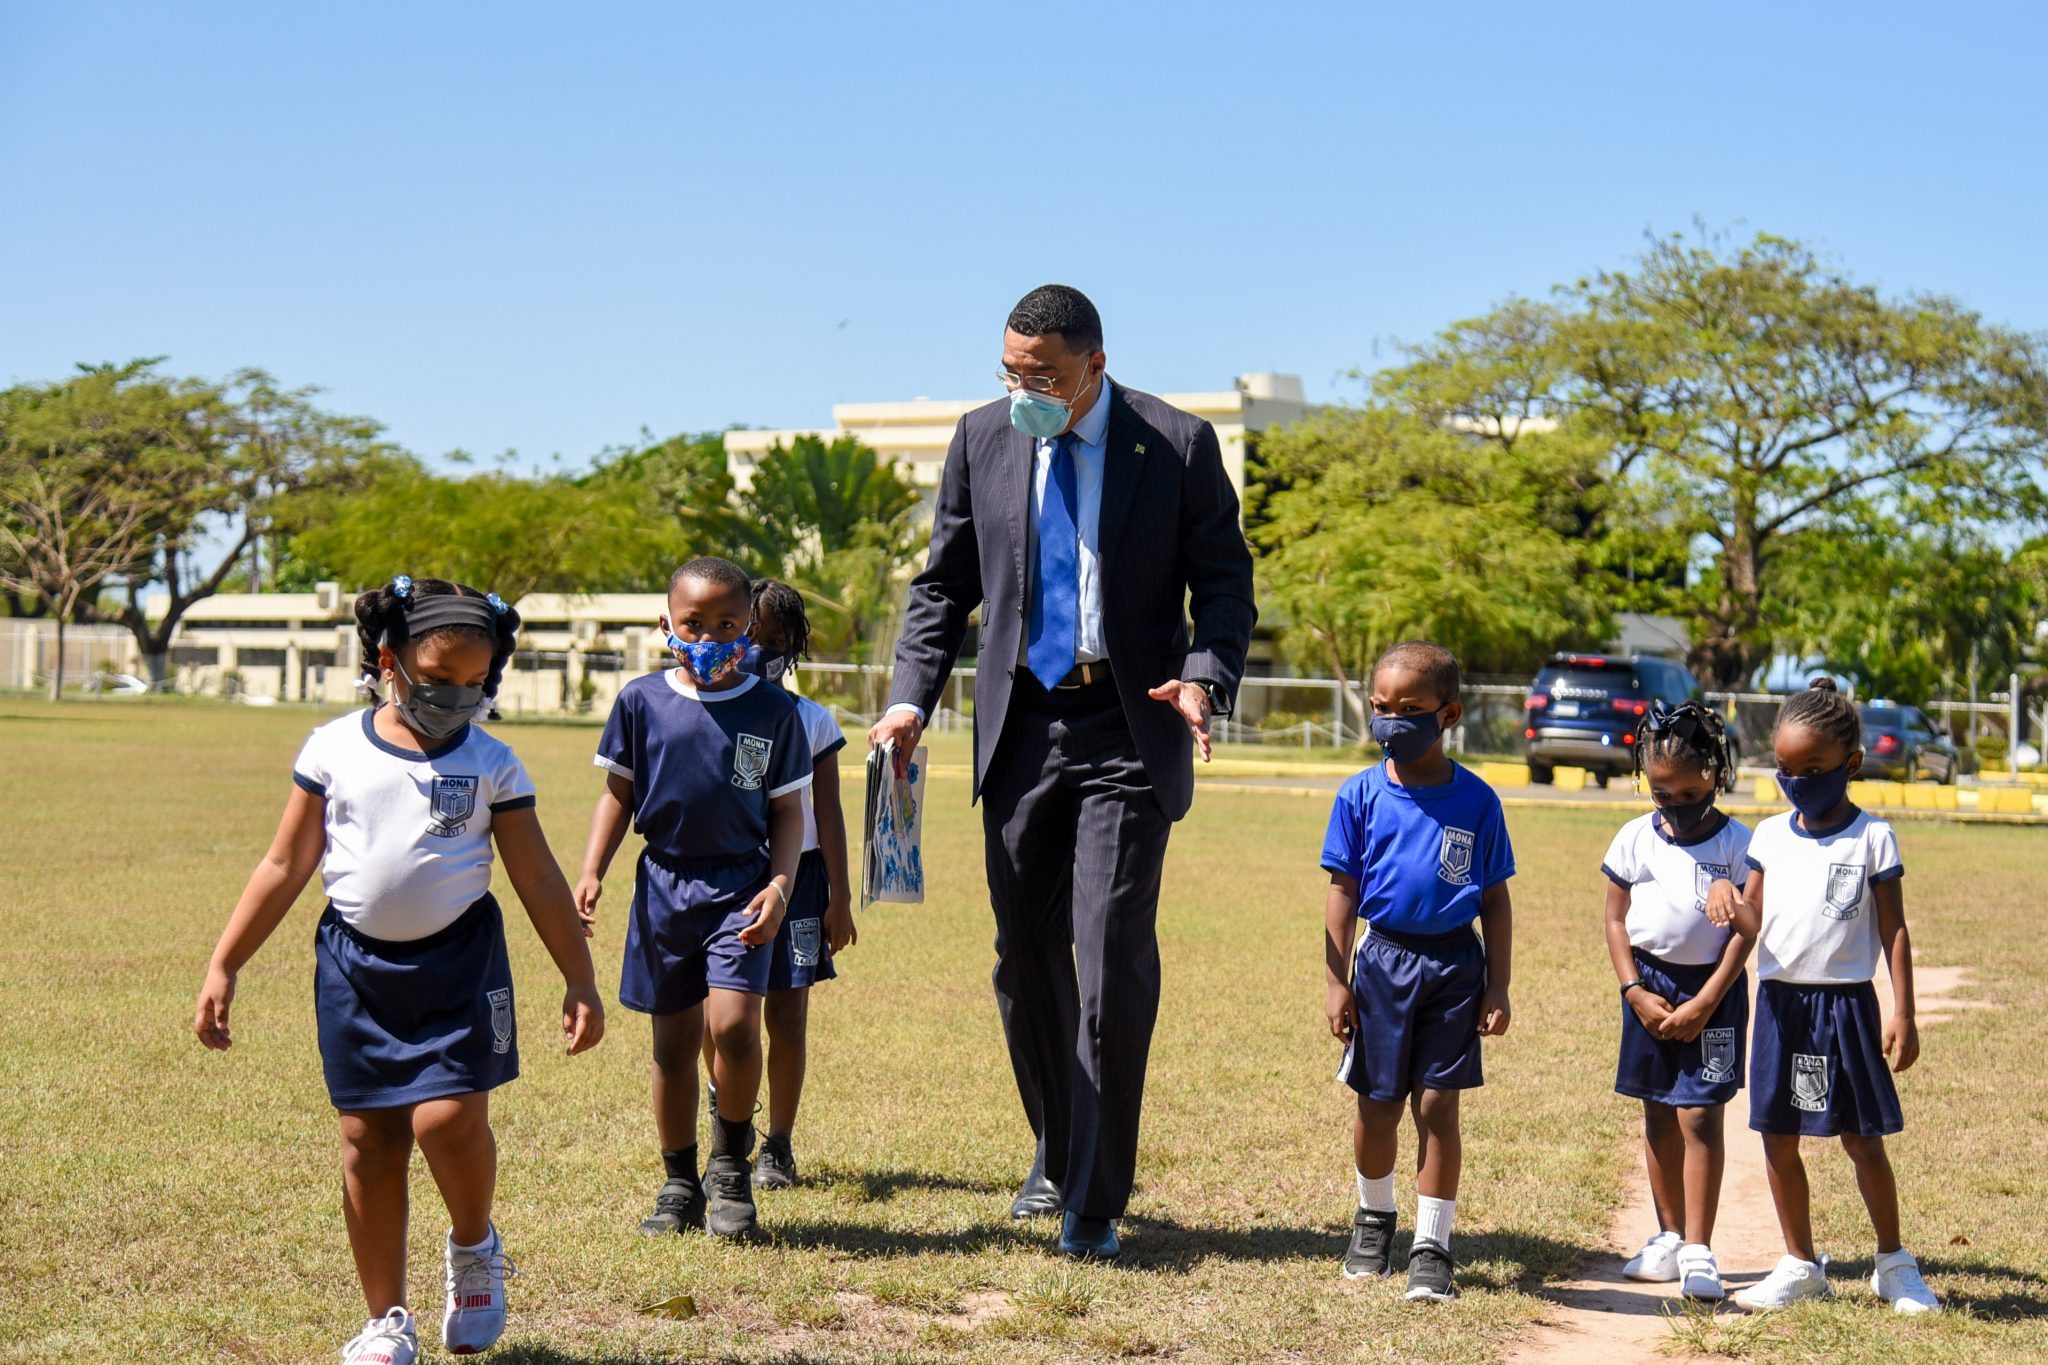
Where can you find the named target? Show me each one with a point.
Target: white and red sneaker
(389, 1340)
(475, 1316)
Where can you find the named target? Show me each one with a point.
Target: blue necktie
(1056, 605)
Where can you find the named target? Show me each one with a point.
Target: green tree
(250, 449)
(1384, 526)
(498, 530)
(842, 526)
(78, 463)
(1738, 403)
(684, 482)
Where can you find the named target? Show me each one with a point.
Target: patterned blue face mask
(708, 660)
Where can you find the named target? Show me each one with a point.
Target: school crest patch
(1845, 890)
(453, 801)
(750, 760)
(804, 937)
(1717, 1055)
(1454, 857)
(1704, 875)
(501, 1019)
(1809, 1083)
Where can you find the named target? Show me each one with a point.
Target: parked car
(1900, 744)
(1587, 711)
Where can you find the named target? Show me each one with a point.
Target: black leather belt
(1085, 675)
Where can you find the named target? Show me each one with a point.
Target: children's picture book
(892, 840)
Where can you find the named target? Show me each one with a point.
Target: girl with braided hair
(1684, 996)
(1823, 901)
(398, 806)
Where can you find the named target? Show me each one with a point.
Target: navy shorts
(1818, 1067)
(1418, 1000)
(419, 1020)
(800, 958)
(683, 938)
(1706, 1071)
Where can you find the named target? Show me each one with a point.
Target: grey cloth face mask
(436, 710)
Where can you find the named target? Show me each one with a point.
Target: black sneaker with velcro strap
(1429, 1272)
(1371, 1253)
(678, 1207)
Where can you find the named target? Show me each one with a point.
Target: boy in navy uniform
(1417, 848)
(710, 764)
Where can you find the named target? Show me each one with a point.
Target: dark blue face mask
(1816, 796)
(1407, 738)
(768, 664)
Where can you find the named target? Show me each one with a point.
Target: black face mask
(1684, 819)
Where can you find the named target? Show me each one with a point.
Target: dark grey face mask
(436, 710)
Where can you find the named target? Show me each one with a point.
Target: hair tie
(497, 603)
(401, 587)
(365, 688)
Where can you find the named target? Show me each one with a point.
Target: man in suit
(1089, 522)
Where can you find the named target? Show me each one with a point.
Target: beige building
(916, 434)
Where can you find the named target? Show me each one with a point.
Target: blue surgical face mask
(1816, 796)
(1407, 738)
(1040, 415)
(709, 660)
(768, 664)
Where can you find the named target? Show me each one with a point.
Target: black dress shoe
(1039, 1198)
(1089, 1239)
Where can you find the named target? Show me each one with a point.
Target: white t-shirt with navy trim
(827, 739)
(1820, 914)
(1667, 879)
(408, 832)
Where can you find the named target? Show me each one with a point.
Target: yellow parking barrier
(1945, 798)
(1505, 774)
(1569, 779)
(1767, 790)
(1919, 796)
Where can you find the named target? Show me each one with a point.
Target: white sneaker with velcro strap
(1699, 1278)
(1896, 1280)
(1792, 1281)
(1657, 1262)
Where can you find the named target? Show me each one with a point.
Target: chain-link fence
(28, 653)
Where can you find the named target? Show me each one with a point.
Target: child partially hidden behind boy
(1418, 849)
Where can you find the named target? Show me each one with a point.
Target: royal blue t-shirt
(1421, 855)
(704, 765)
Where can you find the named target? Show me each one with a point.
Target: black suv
(1586, 711)
(1900, 743)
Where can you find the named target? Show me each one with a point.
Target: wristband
(777, 888)
(1628, 986)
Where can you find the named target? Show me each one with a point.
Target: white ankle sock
(1433, 1220)
(480, 1248)
(1376, 1193)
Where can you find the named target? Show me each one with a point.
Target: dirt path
(1602, 1319)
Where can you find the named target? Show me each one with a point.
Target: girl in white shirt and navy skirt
(398, 806)
(1684, 995)
(1824, 903)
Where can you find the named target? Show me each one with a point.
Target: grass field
(160, 1202)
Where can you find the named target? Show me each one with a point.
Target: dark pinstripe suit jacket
(1171, 549)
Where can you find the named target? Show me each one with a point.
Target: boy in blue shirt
(1417, 848)
(710, 764)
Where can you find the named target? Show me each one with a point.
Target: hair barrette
(401, 587)
(497, 603)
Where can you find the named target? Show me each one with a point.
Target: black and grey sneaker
(1371, 1254)
(729, 1188)
(775, 1167)
(679, 1207)
(1429, 1272)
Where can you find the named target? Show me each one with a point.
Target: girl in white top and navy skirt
(1824, 902)
(1684, 996)
(398, 807)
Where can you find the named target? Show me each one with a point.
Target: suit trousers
(1075, 839)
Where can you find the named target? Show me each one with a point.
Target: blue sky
(543, 227)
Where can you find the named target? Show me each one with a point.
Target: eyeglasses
(1037, 383)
